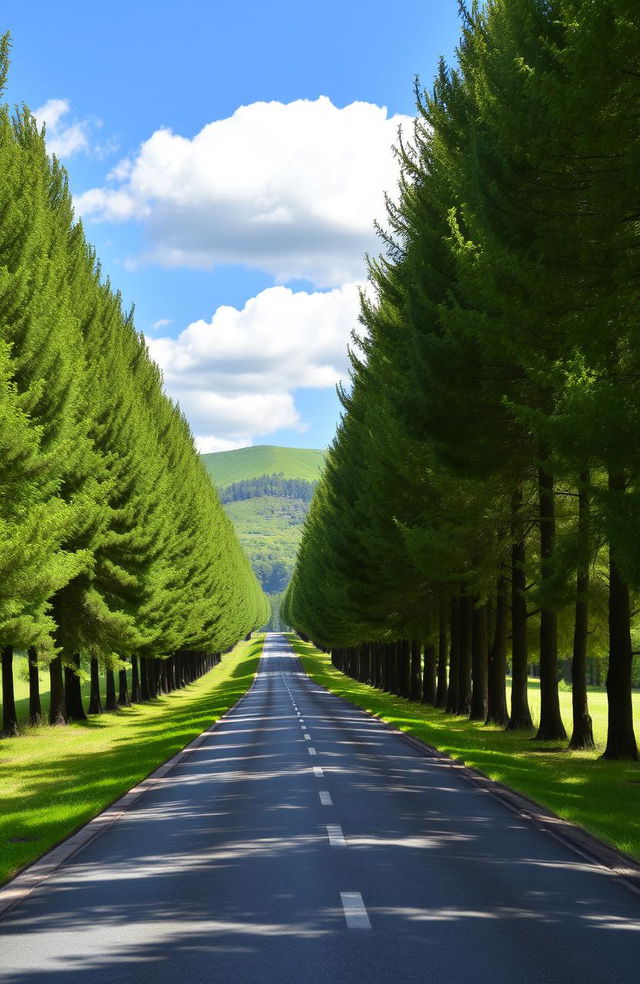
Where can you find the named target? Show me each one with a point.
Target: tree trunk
(416, 682)
(9, 715)
(95, 701)
(454, 657)
(551, 726)
(73, 690)
(465, 658)
(404, 665)
(480, 664)
(57, 705)
(429, 674)
(144, 678)
(497, 695)
(111, 703)
(35, 707)
(621, 739)
(520, 718)
(442, 688)
(123, 689)
(582, 731)
(136, 696)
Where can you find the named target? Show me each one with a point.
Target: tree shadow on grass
(57, 797)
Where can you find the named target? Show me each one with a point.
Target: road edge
(589, 847)
(28, 879)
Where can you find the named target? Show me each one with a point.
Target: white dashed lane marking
(335, 835)
(354, 910)
(312, 751)
(325, 798)
(318, 772)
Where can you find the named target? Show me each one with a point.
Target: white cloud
(161, 323)
(292, 189)
(66, 137)
(235, 376)
(63, 139)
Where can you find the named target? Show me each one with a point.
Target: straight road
(303, 842)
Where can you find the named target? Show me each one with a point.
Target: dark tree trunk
(429, 674)
(582, 731)
(111, 704)
(95, 701)
(57, 706)
(136, 695)
(9, 715)
(621, 739)
(35, 707)
(441, 691)
(454, 657)
(73, 690)
(416, 683)
(404, 664)
(551, 725)
(497, 695)
(520, 718)
(123, 689)
(480, 664)
(465, 658)
(144, 678)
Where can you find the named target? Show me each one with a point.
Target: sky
(229, 161)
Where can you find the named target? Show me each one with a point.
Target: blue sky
(239, 234)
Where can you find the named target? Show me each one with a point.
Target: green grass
(53, 780)
(603, 797)
(226, 467)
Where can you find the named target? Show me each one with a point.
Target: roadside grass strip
(602, 797)
(53, 780)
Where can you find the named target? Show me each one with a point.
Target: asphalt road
(304, 842)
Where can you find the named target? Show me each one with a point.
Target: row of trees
(270, 485)
(113, 544)
(479, 507)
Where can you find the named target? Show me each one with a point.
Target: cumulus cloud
(66, 136)
(235, 376)
(292, 189)
(64, 139)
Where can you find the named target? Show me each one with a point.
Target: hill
(266, 492)
(226, 467)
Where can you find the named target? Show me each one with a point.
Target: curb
(24, 883)
(589, 847)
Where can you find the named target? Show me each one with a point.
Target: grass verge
(603, 797)
(53, 780)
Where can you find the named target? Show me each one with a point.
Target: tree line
(273, 485)
(114, 549)
(479, 508)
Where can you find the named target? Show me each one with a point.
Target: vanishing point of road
(305, 842)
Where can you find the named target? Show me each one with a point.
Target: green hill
(226, 467)
(267, 515)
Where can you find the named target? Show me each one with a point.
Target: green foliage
(494, 383)
(273, 485)
(112, 538)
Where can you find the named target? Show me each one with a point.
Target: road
(304, 842)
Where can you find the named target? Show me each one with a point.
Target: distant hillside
(266, 492)
(226, 467)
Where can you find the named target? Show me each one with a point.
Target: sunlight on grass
(603, 797)
(55, 779)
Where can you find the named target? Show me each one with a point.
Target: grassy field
(226, 467)
(52, 780)
(603, 797)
